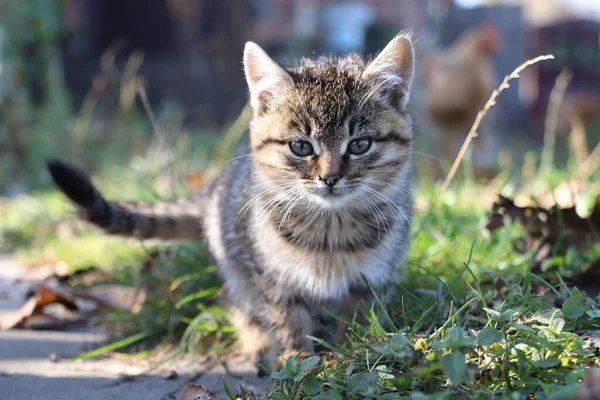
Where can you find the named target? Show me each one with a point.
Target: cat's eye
(359, 146)
(301, 148)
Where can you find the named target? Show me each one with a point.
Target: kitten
(322, 200)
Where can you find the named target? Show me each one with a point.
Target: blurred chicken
(456, 84)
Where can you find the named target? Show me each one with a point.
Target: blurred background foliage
(72, 71)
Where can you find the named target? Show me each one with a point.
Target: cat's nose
(331, 178)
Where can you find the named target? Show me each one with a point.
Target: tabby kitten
(322, 200)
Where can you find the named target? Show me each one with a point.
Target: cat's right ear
(267, 81)
(393, 69)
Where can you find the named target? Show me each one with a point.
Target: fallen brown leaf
(588, 281)
(54, 301)
(37, 305)
(197, 392)
(564, 195)
(196, 180)
(114, 297)
(550, 224)
(10, 320)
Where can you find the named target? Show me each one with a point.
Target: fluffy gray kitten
(322, 203)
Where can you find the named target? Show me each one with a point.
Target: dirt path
(35, 364)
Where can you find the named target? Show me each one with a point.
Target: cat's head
(332, 128)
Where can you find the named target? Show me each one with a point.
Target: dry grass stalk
(590, 165)
(490, 103)
(577, 138)
(551, 124)
(153, 120)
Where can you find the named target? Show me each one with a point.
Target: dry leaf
(113, 296)
(10, 320)
(197, 392)
(551, 224)
(37, 305)
(564, 195)
(196, 180)
(588, 281)
(53, 302)
(546, 227)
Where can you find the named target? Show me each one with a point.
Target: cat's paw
(298, 354)
(270, 361)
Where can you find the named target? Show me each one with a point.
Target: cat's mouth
(330, 192)
(331, 195)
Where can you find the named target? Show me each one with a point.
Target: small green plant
(297, 379)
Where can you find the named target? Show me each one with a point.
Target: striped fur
(286, 243)
(161, 220)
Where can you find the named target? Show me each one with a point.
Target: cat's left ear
(267, 81)
(393, 70)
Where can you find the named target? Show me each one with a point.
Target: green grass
(464, 321)
(477, 330)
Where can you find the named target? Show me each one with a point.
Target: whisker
(378, 214)
(393, 207)
(395, 187)
(290, 206)
(245, 207)
(272, 204)
(425, 155)
(379, 113)
(238, 157)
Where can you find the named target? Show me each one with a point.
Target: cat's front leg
(253, 338)
(351, 309)
(289, 322)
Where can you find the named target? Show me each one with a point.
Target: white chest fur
(323, 275)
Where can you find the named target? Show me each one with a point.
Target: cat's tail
(160, 220)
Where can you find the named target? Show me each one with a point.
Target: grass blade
(117, 345)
